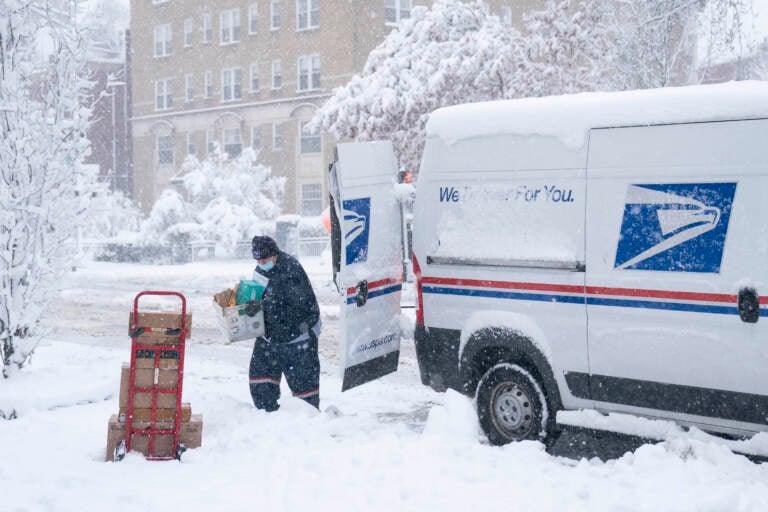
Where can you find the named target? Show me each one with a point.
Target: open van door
(366, 241)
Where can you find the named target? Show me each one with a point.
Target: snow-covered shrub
(220, 200)
(46, 191)
(457, 52)
(169, 210)
(112, 213)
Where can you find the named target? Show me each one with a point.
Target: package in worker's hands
(234, 321)
(249, 290)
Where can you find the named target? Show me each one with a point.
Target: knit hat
(263, 247)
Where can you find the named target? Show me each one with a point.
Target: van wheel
(511, 405)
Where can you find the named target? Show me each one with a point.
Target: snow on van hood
(570, 117)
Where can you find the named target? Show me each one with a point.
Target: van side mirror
(749, 305)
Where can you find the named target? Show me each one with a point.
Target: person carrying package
(292, 327)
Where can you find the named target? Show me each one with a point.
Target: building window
(311, 199)
(188, 32)
(256, 138)
(164, 150)
(163, 37)
(163, 94)
(189, 88)
(253, 19)
(233, 142)
(274, 14)
(209, 140)
(277, 74)
(277, 137)
(230, 26)
(208, 84)
(307, 14)
(506, 14)
(231, 84)
(396, 10)
(309, 72)
(310, 139)
(207, 28)
(254, 77)
(191, 150)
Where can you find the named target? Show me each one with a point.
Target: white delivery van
(603, 251)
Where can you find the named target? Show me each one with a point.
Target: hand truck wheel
(119, 452)
(179, 450)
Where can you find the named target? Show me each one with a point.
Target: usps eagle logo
(355, 224)
(675, 227)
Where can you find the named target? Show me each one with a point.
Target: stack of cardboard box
(166, 376)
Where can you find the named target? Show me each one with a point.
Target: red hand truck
(174, 350)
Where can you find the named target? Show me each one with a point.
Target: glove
(252, 307)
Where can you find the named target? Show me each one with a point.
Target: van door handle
(749, 305)
(362, 293)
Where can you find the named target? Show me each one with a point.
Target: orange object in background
(325, 217)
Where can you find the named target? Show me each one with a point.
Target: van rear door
(367, 258)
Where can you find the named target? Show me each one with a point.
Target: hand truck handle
(177, 294)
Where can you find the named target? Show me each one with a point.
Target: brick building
(249, 73)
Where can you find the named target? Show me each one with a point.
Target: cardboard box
(145, 414)
(226, 299)
(144, 379)
(163, 445)
(192, 432)
(237, 327)
(161, 321)
(191, 435)
(115, 434)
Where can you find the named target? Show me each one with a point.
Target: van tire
(511, 405)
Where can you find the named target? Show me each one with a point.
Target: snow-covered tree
(663, 43)
(457, 52)
(569, 47)
(223, 200)
(44, 189)
(111, 213)
(452, 53)
(725, 34)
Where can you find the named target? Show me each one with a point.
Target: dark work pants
(299, 362)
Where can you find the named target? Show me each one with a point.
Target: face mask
(267, 266)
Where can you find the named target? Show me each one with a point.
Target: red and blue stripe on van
(376, 289)
(698, 302)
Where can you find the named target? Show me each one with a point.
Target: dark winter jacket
(289, 303)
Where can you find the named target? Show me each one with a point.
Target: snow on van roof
(570, 117)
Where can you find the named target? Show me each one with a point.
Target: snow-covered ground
(397, 445)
